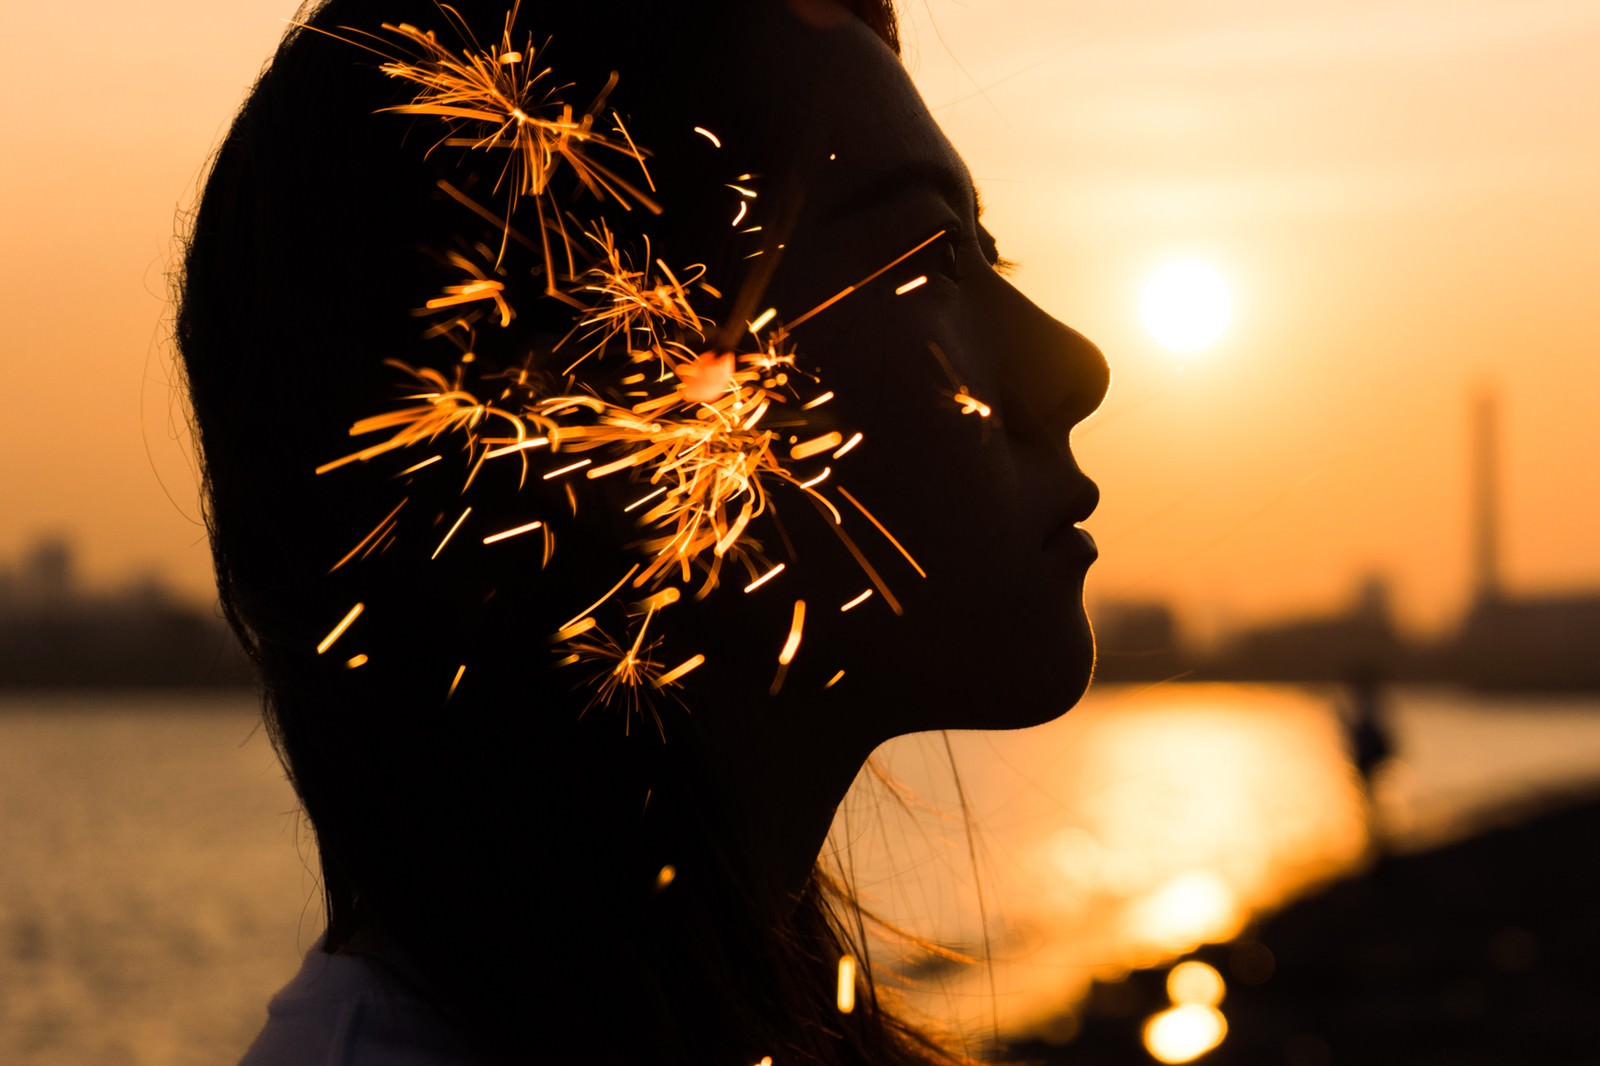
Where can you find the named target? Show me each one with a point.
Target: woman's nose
(1054, 376)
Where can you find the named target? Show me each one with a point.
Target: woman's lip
(1073, 540)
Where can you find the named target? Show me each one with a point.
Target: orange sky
(1402, 195)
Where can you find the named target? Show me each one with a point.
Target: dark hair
(501, 839)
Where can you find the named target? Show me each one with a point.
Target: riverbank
(1482, 953)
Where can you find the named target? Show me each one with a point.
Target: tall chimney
(1486, 496)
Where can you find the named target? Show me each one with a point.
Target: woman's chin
(1027, 681)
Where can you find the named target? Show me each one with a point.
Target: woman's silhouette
(513, 869)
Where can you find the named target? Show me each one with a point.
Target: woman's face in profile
(995, 636)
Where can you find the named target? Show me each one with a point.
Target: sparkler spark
(884, 530)
(763, 320)
(445, 407)
(764, 578)
(478, 287)
(792, 644)
(970, 404)
(678, 671)
(498, 99)
(629, 674)
(429, 461)
(569, 468)
(451, 533)
(857, 601)
(815, 446)
(495, 538)
(338, 630)
(847, 984)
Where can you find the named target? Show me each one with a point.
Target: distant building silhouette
(43, 583)
(1137, 640)
(1506, 641)
(1363, 637)
(57, 633)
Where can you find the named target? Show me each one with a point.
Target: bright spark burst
(704, 433)
(443, 407)
(501, 98)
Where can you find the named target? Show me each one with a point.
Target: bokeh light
(1193, 908)
(1195, 982)
(1184, 1033)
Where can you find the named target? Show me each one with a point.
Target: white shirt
(343, 1010)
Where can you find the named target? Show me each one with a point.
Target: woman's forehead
(856, 120)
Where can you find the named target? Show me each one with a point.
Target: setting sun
(1186, 306)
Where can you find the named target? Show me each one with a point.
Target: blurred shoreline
(1477, 953)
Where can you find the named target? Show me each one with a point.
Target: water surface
(155, 886)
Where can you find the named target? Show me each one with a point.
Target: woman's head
(455, 807)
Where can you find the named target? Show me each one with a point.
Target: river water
(156, 884)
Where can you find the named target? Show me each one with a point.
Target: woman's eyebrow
(893, 184)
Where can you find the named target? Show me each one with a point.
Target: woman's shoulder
(348, 1010)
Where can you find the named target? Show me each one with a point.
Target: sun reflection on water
(1142, 825)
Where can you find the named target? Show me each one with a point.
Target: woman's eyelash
(942, 253)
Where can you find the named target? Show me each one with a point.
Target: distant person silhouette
(1369, 743)
(512, 870)
(1366, 724)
